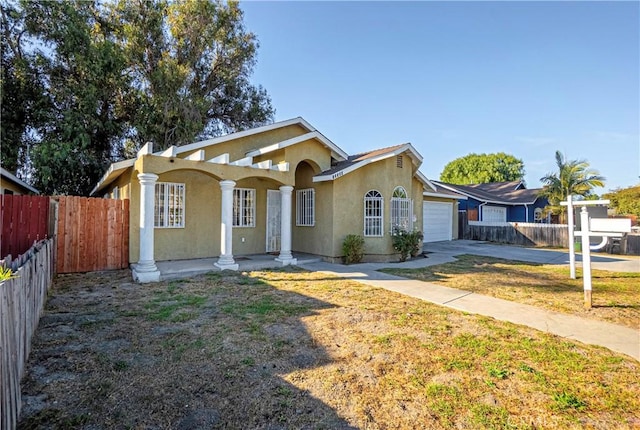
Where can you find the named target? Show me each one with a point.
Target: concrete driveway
(443, 252)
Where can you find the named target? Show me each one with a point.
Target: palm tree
(574, 177)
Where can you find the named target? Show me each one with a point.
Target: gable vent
(399, 161)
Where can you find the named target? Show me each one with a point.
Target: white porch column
(226, 260)
(285, 256)
(146, 269)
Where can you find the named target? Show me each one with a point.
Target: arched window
(399, 193)
(400, 211)
(373, 213)
(537, 215)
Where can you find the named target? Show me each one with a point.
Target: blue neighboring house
(500, 202)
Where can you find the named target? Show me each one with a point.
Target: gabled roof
(354, 162)
(6, 175)
(498, 188)
(504, 193)
(116, 169)
(439, 191)
(337, 153)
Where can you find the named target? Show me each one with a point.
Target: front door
(273, 221)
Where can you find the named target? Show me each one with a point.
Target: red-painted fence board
(24, 221)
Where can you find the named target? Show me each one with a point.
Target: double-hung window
(401, 218)
(169, 205)
(373, 213)
(244, 207)
(305, 207)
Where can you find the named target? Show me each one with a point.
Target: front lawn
(293, 349)
(616, 296)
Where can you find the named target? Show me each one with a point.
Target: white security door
(273, 221)
(437, 221)
(494, 214)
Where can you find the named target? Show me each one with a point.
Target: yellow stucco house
(278, 189)
(10, 184)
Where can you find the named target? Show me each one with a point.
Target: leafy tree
(483, 168)
(574, 177)
(191, 61)
(22, 96)
(626, 201)
(83, 82)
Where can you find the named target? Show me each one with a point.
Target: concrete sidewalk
(615, 337)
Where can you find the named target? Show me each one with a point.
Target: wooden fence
(518, 233)
(21, 302)
(530, 234)
(630, 244)
(24, 220)
(93, 234)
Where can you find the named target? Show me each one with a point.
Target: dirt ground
(103, 359)
(288, 349)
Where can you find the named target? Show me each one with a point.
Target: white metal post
(572, 248)
(586, 256)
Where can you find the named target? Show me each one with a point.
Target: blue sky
(526, 78)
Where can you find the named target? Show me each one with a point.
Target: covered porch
(226, 178)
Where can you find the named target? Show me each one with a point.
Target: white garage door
(437, 221)
(494, 214)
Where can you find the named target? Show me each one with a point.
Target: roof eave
(367, 161)
(17, 180)
(445, 196)
(114, 170)
(336, 151)
(425, 181)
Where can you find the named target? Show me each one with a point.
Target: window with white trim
(537, 214)
(305, 207)
(244, 207)
(401, 204)
(169, 205)
(373, 213)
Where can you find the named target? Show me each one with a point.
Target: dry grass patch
(616, 296)
(293, 349)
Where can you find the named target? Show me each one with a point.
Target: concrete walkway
(615, 337)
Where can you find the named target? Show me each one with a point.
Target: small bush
(407, 243)
(353, 248)
(6, 274)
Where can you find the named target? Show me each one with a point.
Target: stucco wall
(317, 239)
(254, 237)
(348, 203)
(416, 194)
(201, 235)
(13, 188)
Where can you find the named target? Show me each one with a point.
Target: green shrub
(353, 248)
(407, 243)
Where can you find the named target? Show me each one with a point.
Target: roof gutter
(444, 196)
